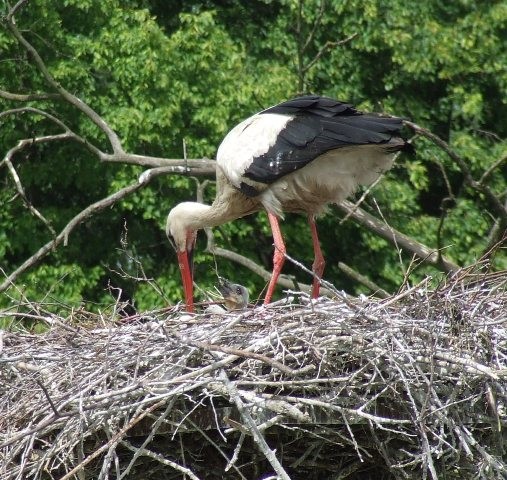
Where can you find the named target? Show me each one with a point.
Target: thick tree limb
(17, 6)
(428, 255)
(147, 175)
(202, 166)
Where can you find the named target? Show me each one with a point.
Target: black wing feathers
(312, 104)
(319, 124)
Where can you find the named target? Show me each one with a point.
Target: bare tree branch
(72, 99)
(21, 191)
(492, 168)
(316, 25)
(284, 280)
(428, 255)
(69, 134)
(38, 111)
(493, 200)
(303, 44)
(363, 280)
(202, 166)
(29, 97)
(325, 48)
(63, 235)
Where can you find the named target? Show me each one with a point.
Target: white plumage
(248, 140)
(297, 156)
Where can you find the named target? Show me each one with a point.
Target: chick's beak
(225, 287)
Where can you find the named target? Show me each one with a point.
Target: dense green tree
(175, 76)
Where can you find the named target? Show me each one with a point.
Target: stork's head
(181, 227)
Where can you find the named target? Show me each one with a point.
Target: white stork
(297, 156)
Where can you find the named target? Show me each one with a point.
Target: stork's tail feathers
(407, 148)
(401, 145)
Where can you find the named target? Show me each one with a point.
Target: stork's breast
(330, 178)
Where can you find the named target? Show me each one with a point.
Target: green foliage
(164, 73)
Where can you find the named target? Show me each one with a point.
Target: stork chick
(235, 296)
(297, 156)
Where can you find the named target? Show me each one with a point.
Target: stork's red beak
(186, 263)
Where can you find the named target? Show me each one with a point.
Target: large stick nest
(413, 386)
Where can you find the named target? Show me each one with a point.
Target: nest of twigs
(409, 387)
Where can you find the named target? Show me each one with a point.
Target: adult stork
(297, 156)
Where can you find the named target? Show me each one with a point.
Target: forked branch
(69, 97)
(62, 237)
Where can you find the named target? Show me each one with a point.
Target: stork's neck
(229, 204)
(188, 217)
(200, 215)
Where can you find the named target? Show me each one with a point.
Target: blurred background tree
(166, 75)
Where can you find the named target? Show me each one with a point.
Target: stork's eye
(238, 291)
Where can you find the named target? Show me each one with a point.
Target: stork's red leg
(278, 256)
(318, 263)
